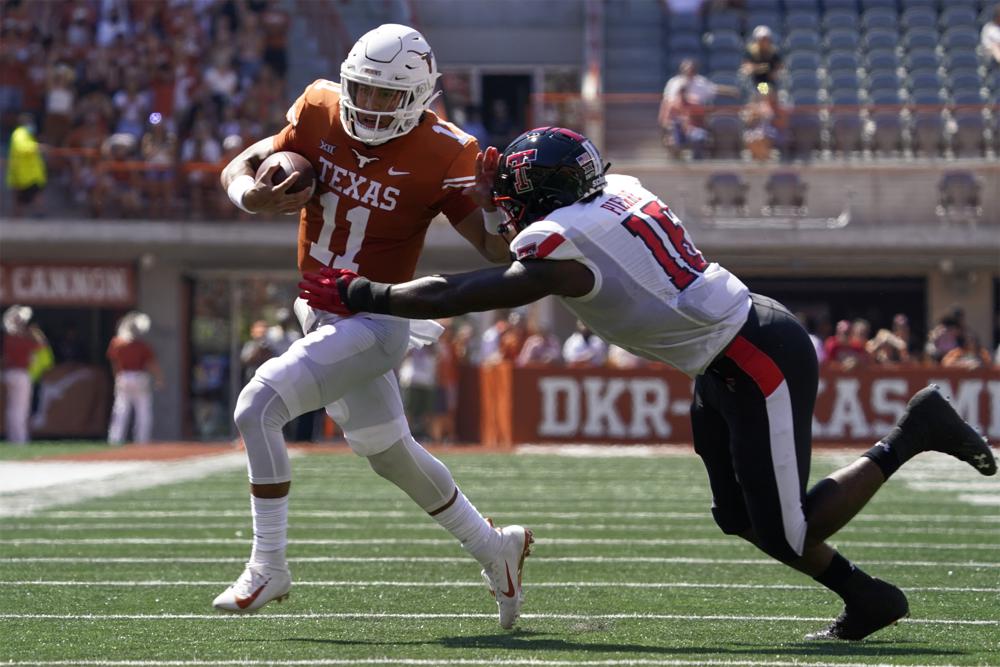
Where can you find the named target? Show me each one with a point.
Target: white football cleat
(258, 585)
(503, 574)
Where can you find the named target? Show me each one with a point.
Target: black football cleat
(931, 423)
(880, 606)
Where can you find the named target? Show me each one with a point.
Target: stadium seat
(785, 190)
(725, 20)
(771, 19)
(802, 21)
(727, 191)
(927, 132)
(845, 97)
(843, 79)
(801, 39)
(887, 133)
(845, 130)
(882, 97)
(880, 39)
(675, 60)
(962, 60)
(958, 191)
(841, 61)
(925, 4)
(805, 97)
(882, 59)
(803, 60)
(919, 17)
(923, 80)
(880, 18)
(802, 5)
(686, 43)
(967, 98)
(960, 38)
(724, 40)
(685, 24)
(841, 5)
(958, 16)
(840, 20)
(805, 134)
(883, 80)
(726, 132)
(884, 4)
(842, 39)
(804, 79)
(965, 81)
(724, 61)
(920, 39)
(760, 5)
(921, 59)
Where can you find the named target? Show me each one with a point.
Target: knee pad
(260, 414)
(259, 405)
(414, 470)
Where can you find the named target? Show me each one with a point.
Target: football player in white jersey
(618, 258)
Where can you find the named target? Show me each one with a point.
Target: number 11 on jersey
(356, 221)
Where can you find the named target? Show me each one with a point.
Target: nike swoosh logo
(510, 583)
(243, 603)
(393, 172)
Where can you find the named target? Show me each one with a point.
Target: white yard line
(457, 662)
(29, 486)
(535, 561)
(560, 541)
(450, 616)
(478, 584)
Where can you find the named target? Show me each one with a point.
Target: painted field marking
(479, 584)
(568, 541)
(450, 616)
(536, 560)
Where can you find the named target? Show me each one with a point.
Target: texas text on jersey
(637, 248)
(373, 204)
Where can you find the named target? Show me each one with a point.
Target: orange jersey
(373, 204)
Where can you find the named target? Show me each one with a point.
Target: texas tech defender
(385, 167)
(620, 259)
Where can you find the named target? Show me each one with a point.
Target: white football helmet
(395, 58)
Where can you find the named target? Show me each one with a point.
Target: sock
(887, 455)
(842, 577)
(460, 518)
(270, 530)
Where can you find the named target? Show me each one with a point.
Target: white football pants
(132, 391)
(344, 364)
(17, 388)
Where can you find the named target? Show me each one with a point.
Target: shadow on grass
(522, 640)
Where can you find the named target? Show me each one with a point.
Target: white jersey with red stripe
(654, 294)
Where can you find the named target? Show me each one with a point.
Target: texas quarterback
(385, 166)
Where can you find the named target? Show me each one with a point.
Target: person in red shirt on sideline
(134, 366)
(18, 347)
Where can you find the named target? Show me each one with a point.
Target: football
(289, 162)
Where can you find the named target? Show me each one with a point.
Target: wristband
(238, 188)
(363, 295)
(492, 221)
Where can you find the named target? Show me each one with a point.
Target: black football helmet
(545, 169)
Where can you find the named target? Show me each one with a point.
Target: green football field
(628, 569)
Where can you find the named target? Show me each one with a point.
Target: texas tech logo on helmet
(518, 163)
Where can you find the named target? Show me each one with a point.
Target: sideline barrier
(650, 406)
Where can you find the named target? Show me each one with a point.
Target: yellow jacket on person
(25, 166)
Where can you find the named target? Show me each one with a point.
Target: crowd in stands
(800, 78)
(137, 101)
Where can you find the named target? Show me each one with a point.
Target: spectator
(990, 36)
(136, 370)
(474, 125)
(443, 420)
(969, 354)
(759, 133)
(19, 345)
(417, 380)
(684, 125)
(257, 350)
(891, 346)
(540, 347)
(26, 174)
(117, 188)
(512, 339)
(847, 345)
(945, 335)
(201, 147)
(489, 342)
(59, 103)
(133, 107)
(619, 357)
(762, 62)
(809, 325)
(159, 146)
(700, 90)
(584, 348)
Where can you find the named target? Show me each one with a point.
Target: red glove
(327, 289)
